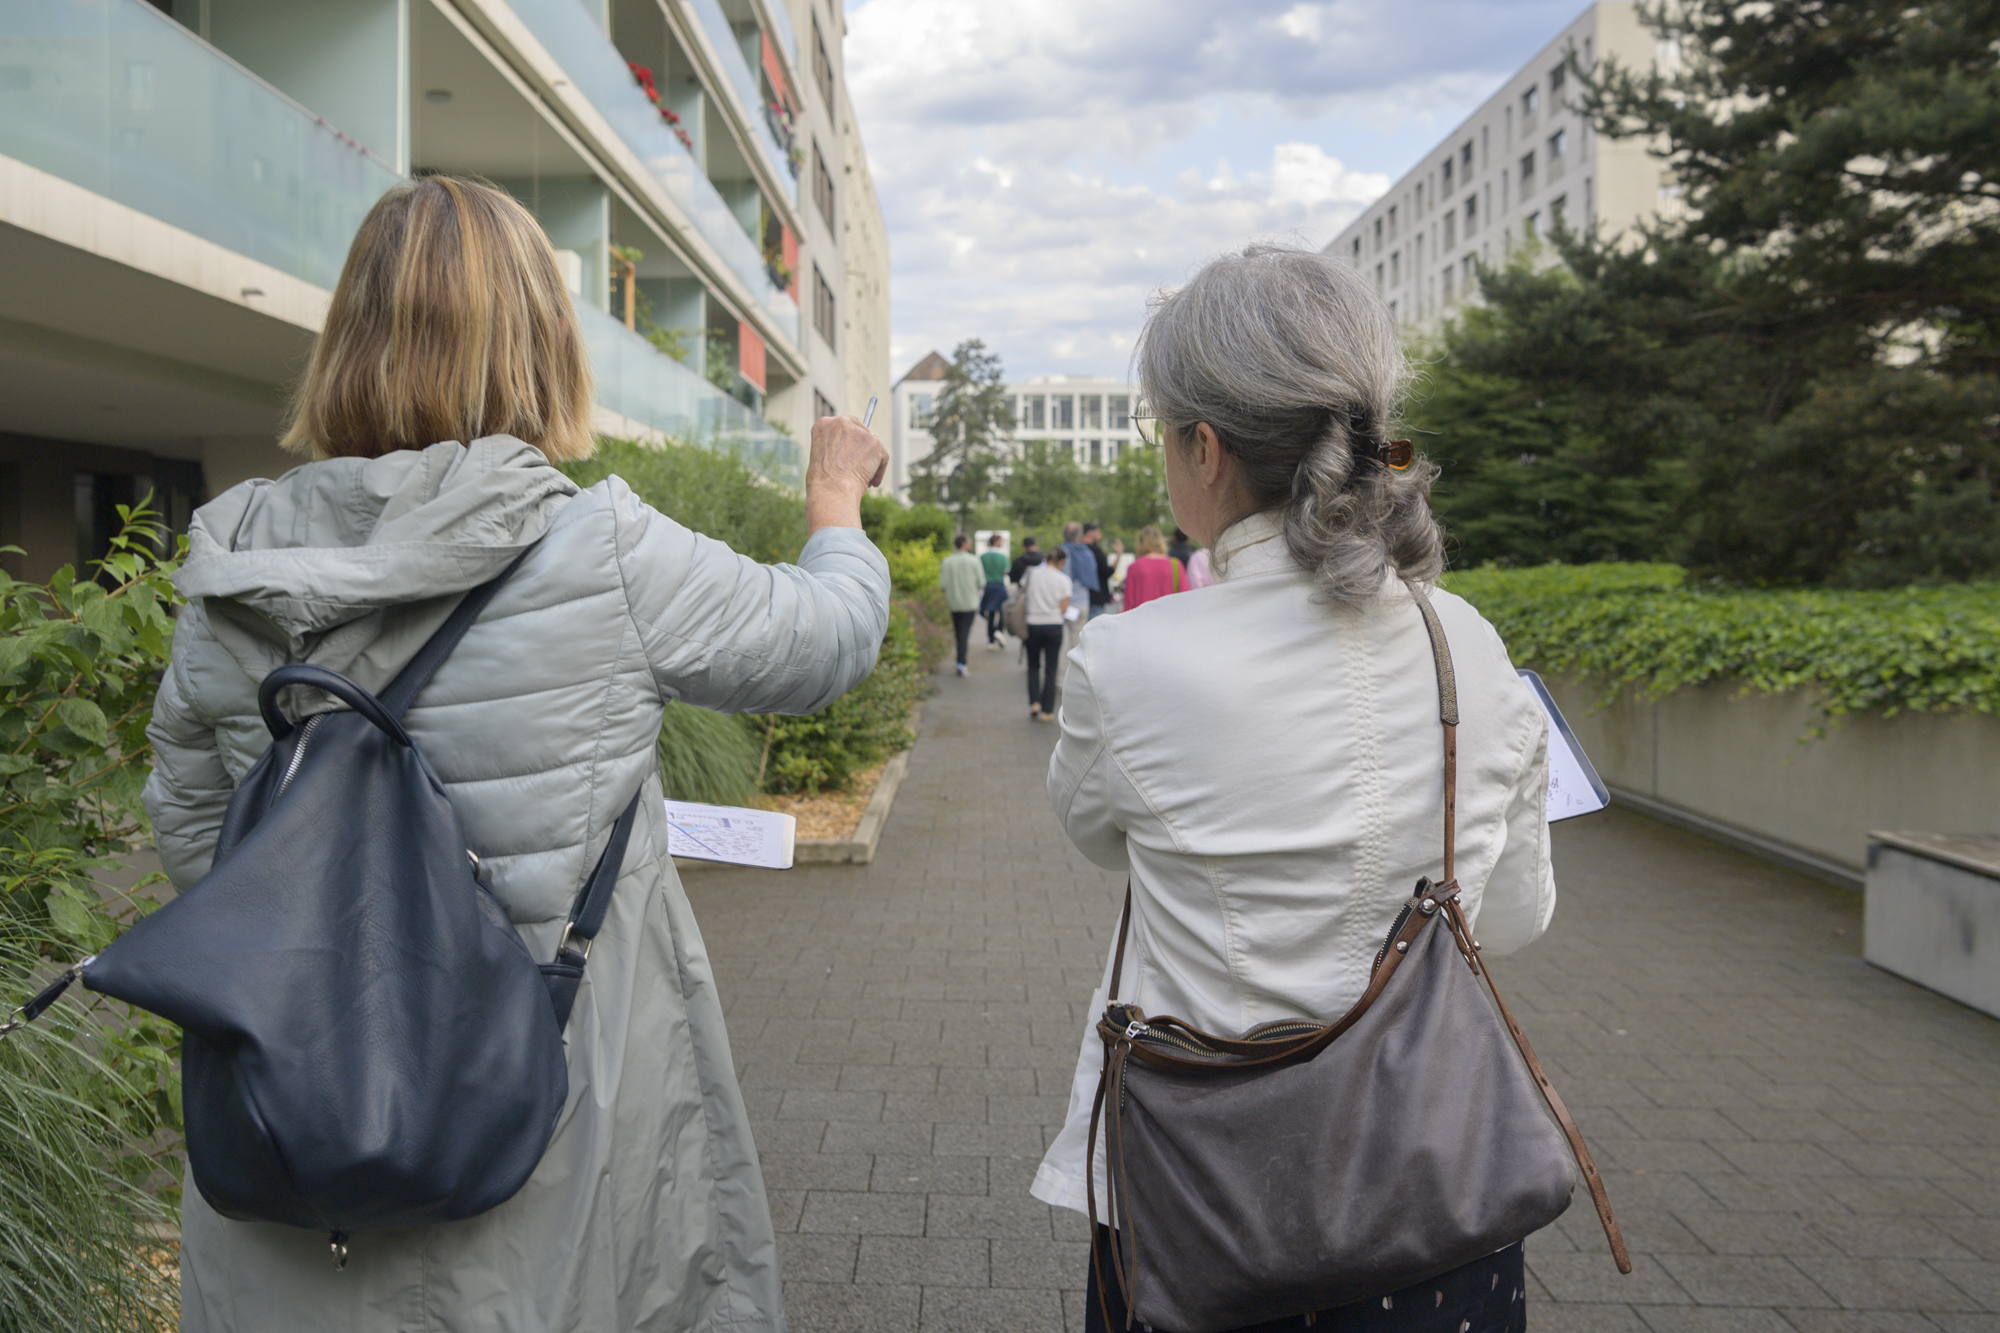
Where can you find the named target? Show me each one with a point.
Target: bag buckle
(569, 933)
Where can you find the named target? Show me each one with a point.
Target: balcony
(573, 39)
(637, 382)
(741, 69)
(116, 97)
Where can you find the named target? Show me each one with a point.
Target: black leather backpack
(367, 1040)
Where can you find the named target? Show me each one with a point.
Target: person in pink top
(1154, 574)
(1199, 574)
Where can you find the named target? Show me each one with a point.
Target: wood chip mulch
(833, 815)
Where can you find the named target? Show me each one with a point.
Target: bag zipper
(299, 753)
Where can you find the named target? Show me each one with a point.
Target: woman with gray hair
(1262, 755)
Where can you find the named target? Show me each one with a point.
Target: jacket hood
(305, 567)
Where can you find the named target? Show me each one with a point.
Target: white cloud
(1018, 146)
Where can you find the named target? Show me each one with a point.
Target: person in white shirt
(1263, 756)
(1048, 598)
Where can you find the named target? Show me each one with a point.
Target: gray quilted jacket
(648, 1213)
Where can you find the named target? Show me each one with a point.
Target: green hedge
(1921, 649)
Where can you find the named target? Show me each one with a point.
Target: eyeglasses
(1151, 428)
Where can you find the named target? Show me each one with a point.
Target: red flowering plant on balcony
(644, 77)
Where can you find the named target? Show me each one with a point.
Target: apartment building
(1091, 416)
(179, 181)
(1523, 164)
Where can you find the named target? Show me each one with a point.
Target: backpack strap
(417, 673)
(586, 915)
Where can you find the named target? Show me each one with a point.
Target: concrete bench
(1933, 913)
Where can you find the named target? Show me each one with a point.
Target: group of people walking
(1072, 584)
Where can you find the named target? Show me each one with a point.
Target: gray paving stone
(858, 1214)
(1694, 1319)
(846, 1307)
(926, 1261)
(995, 1310)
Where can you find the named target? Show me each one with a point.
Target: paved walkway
(1793, 1140)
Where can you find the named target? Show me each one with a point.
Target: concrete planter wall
(1731, 765)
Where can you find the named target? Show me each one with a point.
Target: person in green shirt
(994, 560)
(963, 579)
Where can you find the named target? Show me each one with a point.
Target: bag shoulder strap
(1455, 915)
(417, 673)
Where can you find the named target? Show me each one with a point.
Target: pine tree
(968, 429)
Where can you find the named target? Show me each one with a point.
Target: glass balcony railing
(568, 33)
(116, 97)
(637, 382)
(743, 81)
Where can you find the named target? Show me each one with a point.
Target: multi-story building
(179, 181)
(1521, 165)
(1091, 416)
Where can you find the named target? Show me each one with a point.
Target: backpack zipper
(298, 753)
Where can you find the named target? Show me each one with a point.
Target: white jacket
(1271, 772)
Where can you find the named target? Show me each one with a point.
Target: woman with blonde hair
(1154, 574)
(448, 381)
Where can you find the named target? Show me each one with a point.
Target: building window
(1468, 268)
(822, 184)
(1447, 286)
(1033, 416)
(1529, 101)
(1420, 199)
(923, 410)
(1357, 252)
(1392, 222)
(1450, 230)
(1531, 226)
(1471, 214)
(1556, 77)
(1465, 159)
(1378, 279)
(1556, 211)
(1062, 412)
(1392, 311)
(1396, 268)
(824, 313)
(1093, 411)
(822, 69)
(1096, 452)
(1378, 236)
(822, 407)
(1445, 186)
(1527, 172)
(1121, 411)
(1558, 144)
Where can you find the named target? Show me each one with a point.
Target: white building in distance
(1089, 415)
(1523, 164)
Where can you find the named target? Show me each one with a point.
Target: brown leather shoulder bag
(1304, 1166)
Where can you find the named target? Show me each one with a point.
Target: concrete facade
(1731, 762)
(179, 180)
(1090, 415)
(1522, 165)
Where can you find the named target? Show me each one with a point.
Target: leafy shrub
(924, 523)
(715, 493)
(878, 511)
(913, 581)
(706, 756)
(1923, 649)
(856, 731)
(90, 1097)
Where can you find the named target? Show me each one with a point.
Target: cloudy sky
(1046, 164)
